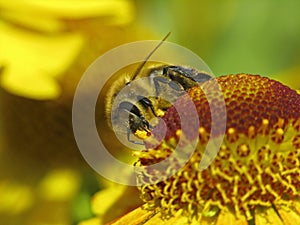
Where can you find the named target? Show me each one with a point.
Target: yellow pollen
(141, 134)
(231, 131)
(251, 132)
(203, 135)
(201, 130)
(265, 122)
(178, 133)
(232, 135)
(243, 150)
(277, 136)
(264, 127)
(160, 113)
(279, 131)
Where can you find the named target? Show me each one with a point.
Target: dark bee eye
(145, 101)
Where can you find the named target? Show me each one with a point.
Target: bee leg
(137, 122)
(158, 80)
(132, 141)
(146, 103)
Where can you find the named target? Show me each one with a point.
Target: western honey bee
(131, 110)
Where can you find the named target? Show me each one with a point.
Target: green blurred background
(259, 37)
(45, 47)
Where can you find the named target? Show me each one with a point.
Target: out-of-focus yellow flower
(49, 16)
(40, 202)
(15, 198)
(255, 177)
(54, 194)
(39, 43)
(45, 48)
(32, 62)
(112, 202)
(59, 185)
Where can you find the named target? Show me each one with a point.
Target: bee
(131, 110)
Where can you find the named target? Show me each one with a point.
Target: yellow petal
(296, 205)
(59, 185)
(32, 86)
(115, 11)
(49, 54)
(115, 201)
(15, 197)
(40, 58)
(266, 215)
(93, 221)
(40, 23)
(289, 216)
(135, 217)
(228, 218)
(206, 221)
(176, 220)
(104, 199)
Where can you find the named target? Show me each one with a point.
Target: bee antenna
(148, 56)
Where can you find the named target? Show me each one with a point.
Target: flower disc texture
(257, 165)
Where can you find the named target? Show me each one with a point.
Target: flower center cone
(256, 165)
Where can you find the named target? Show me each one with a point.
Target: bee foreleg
(132, 141)
(146, 103)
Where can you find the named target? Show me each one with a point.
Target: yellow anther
(279, 123)
(178, 133)
(265, 122)
(279, 131)
(231, 131)
(251, 132)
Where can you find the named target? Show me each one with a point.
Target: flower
(35, 34)
(112, 202)
(45, 48)
(255, 177)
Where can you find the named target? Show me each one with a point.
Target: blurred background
(45, 47)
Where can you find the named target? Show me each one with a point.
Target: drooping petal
(135, 217)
